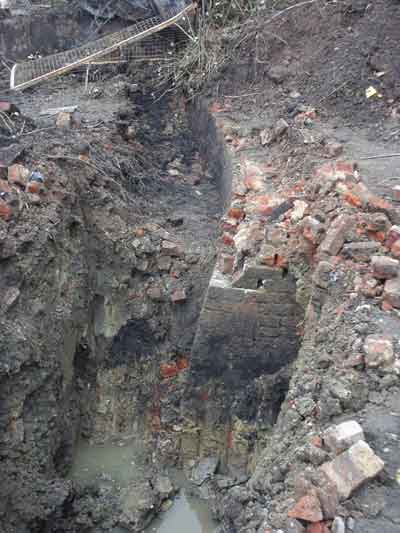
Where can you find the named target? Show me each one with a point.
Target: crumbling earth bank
(103, 272)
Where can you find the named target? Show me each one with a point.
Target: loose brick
(391, 292)
(335, 237)
(349, 470)
(378, 351)
(339, 438)
(307, 508)
(384, 267)
(360, 251)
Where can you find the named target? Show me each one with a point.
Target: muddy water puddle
(117, 463)
(120, 462)
(186, 515)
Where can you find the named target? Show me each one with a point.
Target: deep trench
(126, 411)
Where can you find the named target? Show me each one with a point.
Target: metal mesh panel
(108, 48)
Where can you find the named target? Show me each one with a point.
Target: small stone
(155, 294)
(294, 526)
(378, 351)
(352, 468)
(278, 73)
(333, 149)
(338, 525)
(299, 210)
(267, 255)
(350, 523)
(171, 248)
(396, 193)
(178, 296)
(384, 267)
(391, 292)
(322, 274)
(339, 438)
(10, 298)
(307, 508)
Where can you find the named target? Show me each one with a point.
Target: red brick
(336, 235)
(33, 187)
(327, 170)
(168, 370)
(281, 261)
(378, 351)
(347, 167)
(352, 199)
(268, 255)
(182, 363)
(307, 508)
(379, 236)
(312, 230)
(236, 212)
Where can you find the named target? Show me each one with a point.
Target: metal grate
(30, 73)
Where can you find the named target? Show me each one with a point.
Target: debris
(339, 438)
(178, 296)
(352, 468)
(391, 292)
(299, 210)
(63, 120)
(307, 508)
(336, 235)
(384, 267)
(371, 91)
(51, 111)
(5, 210)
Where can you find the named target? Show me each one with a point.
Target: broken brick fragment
(307, 508)
(384, 267)
(352, 468)
(182, 363)
(168, 370)
(340, 437)
(335, 237)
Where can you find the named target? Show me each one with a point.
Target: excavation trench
(158, 362)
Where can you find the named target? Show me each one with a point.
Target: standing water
(118, 463)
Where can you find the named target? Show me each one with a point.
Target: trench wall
(247, 332)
